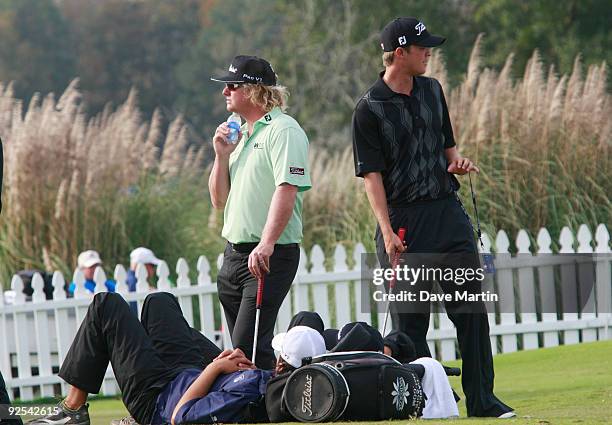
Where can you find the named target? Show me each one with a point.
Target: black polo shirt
(404, 137)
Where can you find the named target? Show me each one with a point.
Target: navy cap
(402, 32)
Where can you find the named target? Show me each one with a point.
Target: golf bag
(354, 385)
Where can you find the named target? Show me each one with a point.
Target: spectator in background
(88, 261)
(144, 256)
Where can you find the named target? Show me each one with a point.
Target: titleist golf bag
(356, 385)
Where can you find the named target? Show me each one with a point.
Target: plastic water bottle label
(234, 130)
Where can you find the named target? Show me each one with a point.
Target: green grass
(562, 385)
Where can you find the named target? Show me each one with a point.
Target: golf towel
(440, 401)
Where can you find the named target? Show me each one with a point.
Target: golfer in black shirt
(406, 153)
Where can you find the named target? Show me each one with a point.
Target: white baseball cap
(297, 343)
(143, 255)
(88, 258)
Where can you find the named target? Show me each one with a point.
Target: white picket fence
(36, 335)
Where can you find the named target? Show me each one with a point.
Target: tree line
(326, 52)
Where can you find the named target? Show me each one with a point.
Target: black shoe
(64, 416)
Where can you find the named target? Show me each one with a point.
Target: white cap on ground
(143, 256)
(88, 258)
(297, 343)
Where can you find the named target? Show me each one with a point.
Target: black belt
(250, 246)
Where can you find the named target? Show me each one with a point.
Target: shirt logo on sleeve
(267, 117)
(296, 170)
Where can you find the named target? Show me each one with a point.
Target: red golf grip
(401, 233)
(260, 285)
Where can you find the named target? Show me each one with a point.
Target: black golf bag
(354, 385)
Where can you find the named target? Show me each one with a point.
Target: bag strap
(475, 211)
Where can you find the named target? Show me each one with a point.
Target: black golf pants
(442, 227)
(238, 291)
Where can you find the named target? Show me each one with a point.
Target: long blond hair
(267, 97)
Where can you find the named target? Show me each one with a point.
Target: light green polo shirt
(276, 153)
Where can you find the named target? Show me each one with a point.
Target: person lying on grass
(167, 371)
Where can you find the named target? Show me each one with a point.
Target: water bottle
(233, 122)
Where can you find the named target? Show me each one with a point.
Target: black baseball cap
(307, 318)
(358, 336)
(402, 32)
(249, 69)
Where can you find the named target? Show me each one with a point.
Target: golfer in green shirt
(259, 181)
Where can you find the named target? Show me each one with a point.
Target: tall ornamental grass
(117, 181)
(110, 183)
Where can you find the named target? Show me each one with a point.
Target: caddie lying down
(170, 373)
(167, 371)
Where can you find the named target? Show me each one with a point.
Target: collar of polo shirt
(380, 89)
(269, 116)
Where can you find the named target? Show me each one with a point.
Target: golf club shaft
(255, 335)
(258, 302)
(402, 235)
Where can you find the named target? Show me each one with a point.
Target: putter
(260, 285)
(401, 234)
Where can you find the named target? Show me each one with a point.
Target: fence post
(120, 280)
(341, 289)
(142, 284)
(360, 315)
(526, 287)
(486, 249)
(100, 280)
(41, 331)
(505, 282)
(207, 314)
(63, 331)
(587, 282)
(182, 281)
(568, 287)
(162, 272)
(319, 289)
(22, 340)
(548, 295)
(602, 277)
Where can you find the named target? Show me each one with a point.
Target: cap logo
(232, 69)
(402, 40)
(420, 27)
(250, 77)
